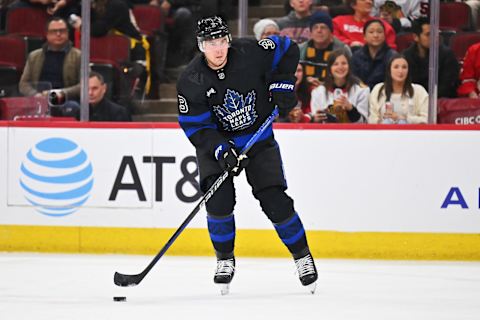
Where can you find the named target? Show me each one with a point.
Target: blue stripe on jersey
(282, 45)
(192, 124)
(198, 118)
(241, 141)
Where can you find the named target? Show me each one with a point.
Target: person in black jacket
(418, 58)
(369, 62)
(101, 108)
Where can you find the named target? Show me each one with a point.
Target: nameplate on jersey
(236, 113)
(182, 104)
(267, 44)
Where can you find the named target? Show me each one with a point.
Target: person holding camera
(56, 65)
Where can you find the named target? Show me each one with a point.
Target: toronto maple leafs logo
(236, 113)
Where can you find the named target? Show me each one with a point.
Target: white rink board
(341, 180)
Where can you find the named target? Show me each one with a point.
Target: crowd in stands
(51, 67)
(353, 67)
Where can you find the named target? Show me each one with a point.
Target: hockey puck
(120, 299)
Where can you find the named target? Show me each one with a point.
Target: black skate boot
(307, 272)
(224, 274)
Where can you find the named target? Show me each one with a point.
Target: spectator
(368, 62)
(182, 46)
(57, 64)
(101, 108)
(57, 8)
(181, 41)
(264, 28)
(301, 112)
(314, 52)
(470, 74)
(417, 56)
(349, 28)
(397, 100)
(296, 24)
(334, 7)
(113, 16)
(399, 13)
(343, 97)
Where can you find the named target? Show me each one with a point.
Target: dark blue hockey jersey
(231, 103)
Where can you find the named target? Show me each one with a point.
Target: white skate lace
(225, 267)
(305, 266)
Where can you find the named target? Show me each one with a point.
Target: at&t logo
(56, 176)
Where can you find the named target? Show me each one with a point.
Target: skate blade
(224, 288)
(312, 287)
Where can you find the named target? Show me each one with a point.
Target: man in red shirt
(470, 75)
(349, 28)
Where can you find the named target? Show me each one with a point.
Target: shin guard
(292, 234)
(222, 234)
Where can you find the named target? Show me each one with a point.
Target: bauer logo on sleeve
(182, 104)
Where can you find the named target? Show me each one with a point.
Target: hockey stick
(126, 280)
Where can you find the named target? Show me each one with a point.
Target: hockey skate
(224, 274)
(307, 272)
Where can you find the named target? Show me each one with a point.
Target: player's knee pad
(276, 204)
(222, 202)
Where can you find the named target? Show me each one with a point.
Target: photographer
(57, 64)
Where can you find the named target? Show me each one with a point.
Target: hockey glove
(229, 160)
(282, 92)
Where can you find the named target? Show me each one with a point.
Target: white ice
(45, 286)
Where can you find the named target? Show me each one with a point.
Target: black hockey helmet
(212, 28)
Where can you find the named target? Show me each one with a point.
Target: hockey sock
(292, 234)
(222, 234)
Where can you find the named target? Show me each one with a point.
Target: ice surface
(46, 286)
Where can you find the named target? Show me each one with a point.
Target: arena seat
(455, 16)
(110, 56)
(29, 23)
(403, 40)
(149, 18)
(461, 41)
(22, 106)
(113, 49)
(12, 61)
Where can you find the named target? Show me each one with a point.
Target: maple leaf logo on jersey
(236, 113)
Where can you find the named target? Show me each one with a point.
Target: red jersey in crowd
(348, 30)
(470, 74)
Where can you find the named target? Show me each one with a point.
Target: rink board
(362, 192)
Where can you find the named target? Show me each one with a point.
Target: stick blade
(125, 280)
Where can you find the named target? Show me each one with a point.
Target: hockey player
(224, 95)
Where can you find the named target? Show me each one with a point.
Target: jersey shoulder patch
(267, 44)
(182, 104)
